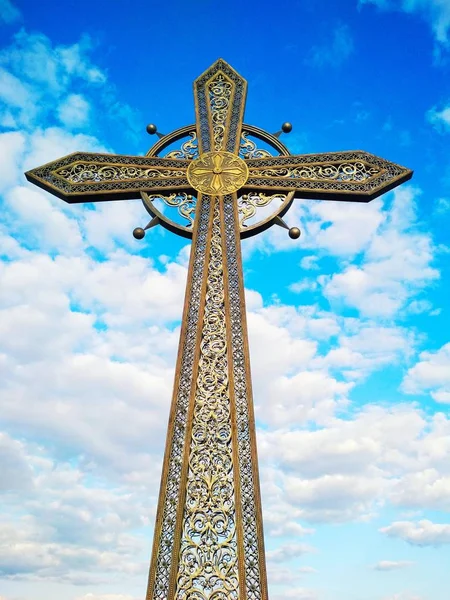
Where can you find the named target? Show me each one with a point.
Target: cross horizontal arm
(355, 176)
(92, 177)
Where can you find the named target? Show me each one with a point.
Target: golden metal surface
(348, 171)
(86, 172)
(248, 204)
(186, 204)
(217, 173)
(208, 559)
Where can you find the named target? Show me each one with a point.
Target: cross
(208, 540)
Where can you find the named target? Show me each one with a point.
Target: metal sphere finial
(151, 128)
(286, 127)
(294, 233)
(138, 233)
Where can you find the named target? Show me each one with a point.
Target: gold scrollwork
(208, 567)
(220, 91)
(184, 203)
(248, 148)
(248, 204)
(356, 171)
(189, 148)
(83, 172)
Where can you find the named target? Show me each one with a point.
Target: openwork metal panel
(208, 556)
(251, 518)
(171, 489)
(208, 539)
(220, 100)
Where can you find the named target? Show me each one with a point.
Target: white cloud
(396, 265)
(431, 374)
(48, 224)
(336, 51)
(12, 147)
(309, 262)
(429, 488)
(392, 565)
(422, 533)
(440, 119)
(17, 105)
(352, 467)
(296, 593)
(436, 12)
(73, 112)
(288, 552)
(442, 205)
(16, 472)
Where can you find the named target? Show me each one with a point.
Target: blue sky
(349, 325)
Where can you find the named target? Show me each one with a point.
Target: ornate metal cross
(208, 540)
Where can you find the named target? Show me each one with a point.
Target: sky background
(349, 325)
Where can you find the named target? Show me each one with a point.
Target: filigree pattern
(248, 204)
(92, 172)
(254, 565)
(188, 149)
(184, 203)
(208, 554)
(352, 171)
(159, 579)
(49, 177)
(249, 149)
(219, 97)
(208, 101)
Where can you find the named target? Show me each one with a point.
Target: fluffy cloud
(75, 530)
(349, 469)
(73, 112)
(431, 374)
(397, 264)
(422, 533)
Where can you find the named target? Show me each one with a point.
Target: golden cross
(208, 540)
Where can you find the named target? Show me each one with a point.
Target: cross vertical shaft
(208, 531)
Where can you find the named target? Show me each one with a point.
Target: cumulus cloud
(350, 468)
(422, 533)
(430, 374)
(397, 264)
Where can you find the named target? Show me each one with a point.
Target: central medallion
(217, 173)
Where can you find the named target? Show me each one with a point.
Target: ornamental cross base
(217, 188)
